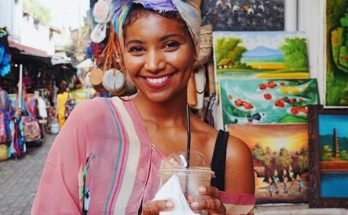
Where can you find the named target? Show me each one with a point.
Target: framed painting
(328, 146)
(336, 78)
(264, 101)
(280, 157)
(245, 15)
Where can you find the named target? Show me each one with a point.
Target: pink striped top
(103, 162)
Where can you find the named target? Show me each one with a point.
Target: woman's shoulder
(91, 108)
(237, 148)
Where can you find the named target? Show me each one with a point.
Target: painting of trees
(229, 51)
(295, 53)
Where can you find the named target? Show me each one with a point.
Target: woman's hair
(138, 10)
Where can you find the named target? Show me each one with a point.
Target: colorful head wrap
(189, 10)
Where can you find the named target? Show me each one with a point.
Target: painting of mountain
(262, 54)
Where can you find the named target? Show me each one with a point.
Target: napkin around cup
(172, 190)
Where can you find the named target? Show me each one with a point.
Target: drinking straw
(188, 151)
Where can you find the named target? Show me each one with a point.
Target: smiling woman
(106, 159)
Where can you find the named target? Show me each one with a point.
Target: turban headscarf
(189, 11)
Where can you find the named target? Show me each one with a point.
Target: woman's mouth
(157, 83)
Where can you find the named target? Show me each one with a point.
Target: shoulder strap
(218, 162)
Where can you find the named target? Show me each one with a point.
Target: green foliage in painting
(295, 53)
(284, 159)
(326, 154)
(344, 155)
(228, 48)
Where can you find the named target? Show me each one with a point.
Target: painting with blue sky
(260, 54)
(333, 141)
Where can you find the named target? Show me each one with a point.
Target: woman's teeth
(157, 80)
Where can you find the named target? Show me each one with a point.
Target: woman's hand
(211, 203)
(156, 206)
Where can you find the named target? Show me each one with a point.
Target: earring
(114, 81)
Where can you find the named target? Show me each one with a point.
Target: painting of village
(244, 15)
(263, 54)
(262, 101)
(280, 160)
(333, 141)
(337, 55)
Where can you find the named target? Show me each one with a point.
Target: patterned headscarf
(189, 10)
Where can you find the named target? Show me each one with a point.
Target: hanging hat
(101, 14)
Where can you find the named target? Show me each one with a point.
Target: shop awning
(26, 50)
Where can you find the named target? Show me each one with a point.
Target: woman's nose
(154, 61)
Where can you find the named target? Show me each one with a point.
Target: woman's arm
(239, 194)
(239, 175)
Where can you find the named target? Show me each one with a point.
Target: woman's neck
(166, 114)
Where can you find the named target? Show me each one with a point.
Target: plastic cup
(198, 174)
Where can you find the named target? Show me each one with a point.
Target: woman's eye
(172, 45)
(135, 50)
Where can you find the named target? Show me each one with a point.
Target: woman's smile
(157, 82)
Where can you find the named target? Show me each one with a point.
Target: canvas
(260, 55)
(328, 132)
(244, 15)
(280, 160)
(336, 53)
(264, 101)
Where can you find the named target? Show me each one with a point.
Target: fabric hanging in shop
(5, 60)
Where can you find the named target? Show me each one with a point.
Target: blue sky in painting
(328, 122)
(254, 39)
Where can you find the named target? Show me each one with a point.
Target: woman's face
(158, 57)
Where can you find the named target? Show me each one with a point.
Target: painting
(336, 53)
(328, 145)
(260, 55)
(244, 15)
(280, 160)
(264, 101)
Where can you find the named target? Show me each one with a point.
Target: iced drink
(198, 174)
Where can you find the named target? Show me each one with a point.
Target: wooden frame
(328, 164)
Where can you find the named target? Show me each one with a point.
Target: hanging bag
(3, 133)
(69, 106)
(31, 127)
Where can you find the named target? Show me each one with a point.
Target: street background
(19, 179)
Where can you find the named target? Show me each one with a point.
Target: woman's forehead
(154, 24)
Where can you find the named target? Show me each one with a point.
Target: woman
(106, 158)
(62, 98)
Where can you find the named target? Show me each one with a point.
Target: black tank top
(218, 161)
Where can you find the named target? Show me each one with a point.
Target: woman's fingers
(209, 191)
(154, 207)
(212, 205)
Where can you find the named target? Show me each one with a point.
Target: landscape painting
(333, 140)
(244, 15)
(260, 55)
(280, 160)
(328, 144)
(336, 53)
(264, 101)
